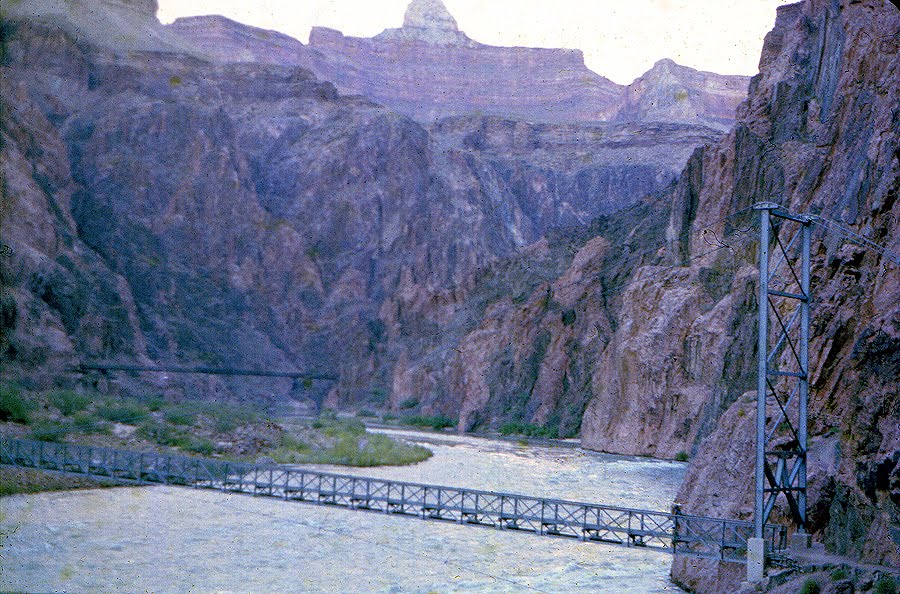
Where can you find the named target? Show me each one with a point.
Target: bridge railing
(677, 533)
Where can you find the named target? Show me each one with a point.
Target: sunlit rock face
(669, 92)
(120, 25)
(430, 22)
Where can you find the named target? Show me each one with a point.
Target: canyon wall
(428, 69)
(595, 278)
(820, 135)
(249, 216)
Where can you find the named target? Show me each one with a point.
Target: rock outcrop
(672, 93)
(120, 25)
(428, 69)
(254, 217)
(820, 134)
(430, 22)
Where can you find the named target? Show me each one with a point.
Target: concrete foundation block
(756, 560)
(800, 541)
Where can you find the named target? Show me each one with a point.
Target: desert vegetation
(211, 429)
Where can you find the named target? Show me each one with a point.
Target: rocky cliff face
(672, 93)
(823, 116)
(428, 69)
(818, 134)
(252, 217)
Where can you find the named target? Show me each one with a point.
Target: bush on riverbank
(529, 430)
(13, 407)
(346, 442)
(436, 422)
(69, 402)
(207, 429)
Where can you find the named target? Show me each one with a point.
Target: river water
(169, 539)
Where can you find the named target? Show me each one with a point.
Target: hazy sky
(621, 39)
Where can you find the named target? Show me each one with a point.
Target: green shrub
(87, 422)
(366, 413)
(334, 426)
(127, 412)
(162, 434)
(436, 422)
(199, 445)
(886, 585)
(289, 442)
(228, 417)
(379, 396)
(839, 574)
(529, 430)
(180, 416)
(155, 403)
(811, 586)
(69, 402)
(13, 406)
(372, 449)
(409, 403)
(682, 457)
(49, 431)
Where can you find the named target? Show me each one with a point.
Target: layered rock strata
(254, 218)
(428, 69)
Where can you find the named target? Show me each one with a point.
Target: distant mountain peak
(666, 63)
(429, 14)
(428, 21)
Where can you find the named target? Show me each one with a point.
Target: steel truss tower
(783, 373)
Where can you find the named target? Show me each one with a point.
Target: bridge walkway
(676, 533)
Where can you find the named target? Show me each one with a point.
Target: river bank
(170, 539)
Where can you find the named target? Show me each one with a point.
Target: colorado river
(168, 539)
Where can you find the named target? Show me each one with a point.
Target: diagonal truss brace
(783, 370)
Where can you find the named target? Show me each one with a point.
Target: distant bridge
(677, 533)
(107, 367)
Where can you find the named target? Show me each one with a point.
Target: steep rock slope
(819, 134)
(428, 69)
(825, 116)
(669, 92)
(256, 218)
(58, 296)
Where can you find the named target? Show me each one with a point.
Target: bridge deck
(673, 532)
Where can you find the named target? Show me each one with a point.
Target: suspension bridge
(674, 532)
(779, 472)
